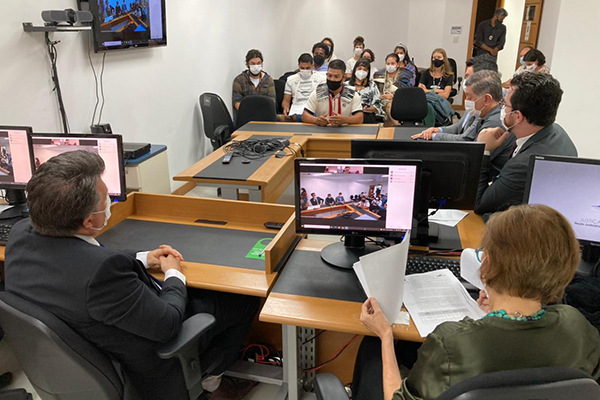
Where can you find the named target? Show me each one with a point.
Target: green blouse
(456, 351)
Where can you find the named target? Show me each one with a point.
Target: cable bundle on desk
(254, 149)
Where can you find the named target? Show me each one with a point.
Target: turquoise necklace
(518, 316)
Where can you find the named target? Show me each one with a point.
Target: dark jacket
(107, 297)
(508, 186)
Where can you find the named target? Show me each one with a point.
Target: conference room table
(311, 294)
(400, 132)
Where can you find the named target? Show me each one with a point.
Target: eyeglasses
(504, 105)
(479, 254)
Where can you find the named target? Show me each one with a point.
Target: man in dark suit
(529, 112)
(105, 295)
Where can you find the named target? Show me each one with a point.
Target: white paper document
(297, 109)
(381, 275)
(447, 217)
(469, 270)
(435, 297)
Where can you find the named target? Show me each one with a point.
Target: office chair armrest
(222, 134)
(191, 331)
(329, 387)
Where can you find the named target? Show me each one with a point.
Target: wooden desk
(399, 133)
(244, 216)
(265, 185)
(323, 142)
(294, 311)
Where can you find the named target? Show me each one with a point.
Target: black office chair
(455, 79)
(520, 384)
(418, 72)
(279, 89)
(61, 365)
(218, 125)
(285, 76)
(409, 106)
(255, 108)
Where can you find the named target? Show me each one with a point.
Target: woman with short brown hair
(529, 256)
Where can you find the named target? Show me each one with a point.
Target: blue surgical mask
(522, 61)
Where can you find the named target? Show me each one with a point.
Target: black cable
(312, 338)
(102, 87)
(95, 76)
(254, 149)
(428, 215)
(53, 54)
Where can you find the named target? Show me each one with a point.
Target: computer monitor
(16, 167)
(449, 179)
(571, 186)
(355, 198)
(109, 147)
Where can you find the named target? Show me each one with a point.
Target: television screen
(121, 24)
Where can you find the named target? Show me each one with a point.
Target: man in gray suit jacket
(529, 112)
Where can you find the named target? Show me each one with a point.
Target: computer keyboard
(4, 231)
(418, 265)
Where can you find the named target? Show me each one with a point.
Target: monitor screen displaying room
(16, 162)
(356, 197)
(109, 147)
(453, 167)
(572, 187)
(120, 24)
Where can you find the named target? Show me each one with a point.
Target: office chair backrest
(255, 108)
(60, 364)
(217, 122)
(452, 62)
(526, 384)
(409, 105)
(279, 89)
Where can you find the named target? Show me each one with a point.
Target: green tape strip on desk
(199, 244)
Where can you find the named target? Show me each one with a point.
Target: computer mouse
(245, 161)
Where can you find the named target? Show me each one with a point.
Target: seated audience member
(368, 54)
(329, 43)
(382, 210)
(359, 46)
(439, 77)
(367, 89)
(299, 86)
(315, 201)
(254, 81)
(405, 61)
(394, 77)
(521, 68)
(364, 203)
(333, 103)
(490, 35)
(304, 203)
(529, 255)
(535, 61)
(329, 200)
(484, 62)
(346, 170)
(483, 93)
(54, 261)
(320, 54)
(529, 112)
(340, 199)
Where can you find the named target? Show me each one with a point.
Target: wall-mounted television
(122, 24)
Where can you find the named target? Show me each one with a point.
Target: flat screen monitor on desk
(16, 167)
(572, 187)
(109, 147)
(449, 179)
(355, 198)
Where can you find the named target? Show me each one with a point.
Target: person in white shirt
(298, 87)
(333, 103)
(359, 46)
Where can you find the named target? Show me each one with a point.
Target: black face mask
(333, 85)
(438, 63)
(319, 59)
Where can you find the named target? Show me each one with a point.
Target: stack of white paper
(381, 275)
(447, 217)
(436, 297)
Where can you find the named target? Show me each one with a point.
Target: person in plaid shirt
(253, 81)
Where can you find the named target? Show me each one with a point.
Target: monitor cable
(53, 54)
(95, 76)
(102, 87)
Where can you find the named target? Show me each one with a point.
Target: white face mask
(470, 266)
(305, 73)
(106, 214)
(255, 69)
(357, 51)
(391, 68)
(503, 115)
(361, 74)
(530, 68)
(401, 57)
(470, 108)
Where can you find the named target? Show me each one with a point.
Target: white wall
(577, 34)
(547, 35)
(507, 58)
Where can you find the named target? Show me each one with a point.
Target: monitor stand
(590, 257)
(436, 236)
(17, 199)
(344, 255)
